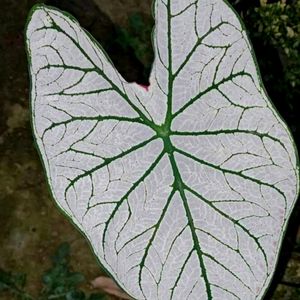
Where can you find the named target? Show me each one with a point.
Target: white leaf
(184, 191)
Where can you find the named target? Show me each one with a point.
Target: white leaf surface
(184, 191)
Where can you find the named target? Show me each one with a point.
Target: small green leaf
(9, 280)
(75, 278)
(75, 295)
(62, 254)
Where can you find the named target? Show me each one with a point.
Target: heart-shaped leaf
(183, 189)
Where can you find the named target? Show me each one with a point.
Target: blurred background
(42, 256)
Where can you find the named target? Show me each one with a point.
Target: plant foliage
(279, 24)
(183, 189)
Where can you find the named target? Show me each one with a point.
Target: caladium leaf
(183, 189)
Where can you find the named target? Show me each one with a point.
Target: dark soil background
(31, 227)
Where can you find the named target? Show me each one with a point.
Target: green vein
(97, 118)
(168, 118)
(228, 270)
(203, 162)
(170, 249)
(181, 271)
(212, 87)
(184, 10)
(179, 185)
(125, 197)
(227, 291)
(135, 237)
(101, 72)
(108, 161)
(229, 131)
(197, 44)
(156, 227)
(236, 222)
(229, 247)
(93, 92)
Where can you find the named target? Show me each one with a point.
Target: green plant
(14, 284)
(59, 282)
(278, 23)
(183, 188)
